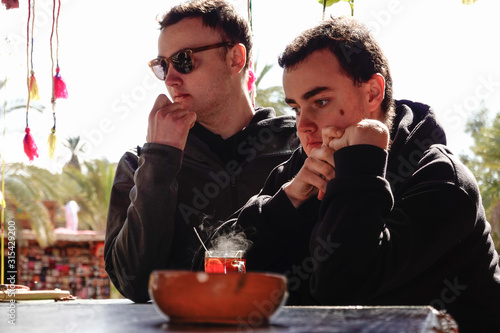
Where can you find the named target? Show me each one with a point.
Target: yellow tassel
(34, 96)
(52, 142)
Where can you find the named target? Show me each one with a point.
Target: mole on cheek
(341, 112)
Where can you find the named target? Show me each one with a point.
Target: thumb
(338, 143)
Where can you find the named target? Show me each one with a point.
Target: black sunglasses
(182, 61)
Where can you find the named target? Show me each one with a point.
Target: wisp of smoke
(232, 241)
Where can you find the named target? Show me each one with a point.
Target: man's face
(322, 95)
(206, 85)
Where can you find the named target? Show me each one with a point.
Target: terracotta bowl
(236, 299)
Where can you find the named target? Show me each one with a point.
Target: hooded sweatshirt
(398, 227)
(160, 193)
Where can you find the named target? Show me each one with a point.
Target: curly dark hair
(359, 54)
(217, 14)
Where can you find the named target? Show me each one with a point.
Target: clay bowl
(234, 299)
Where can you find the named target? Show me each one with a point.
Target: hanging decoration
(34, 96)
(9, 4)
(33, 86)
(58, 85)
(251, 77)
(30, 147)
(252, 89)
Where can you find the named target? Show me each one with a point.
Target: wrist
(288, 189)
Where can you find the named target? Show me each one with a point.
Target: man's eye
(321, 102)
(296, 110)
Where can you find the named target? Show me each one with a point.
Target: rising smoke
(231, 241)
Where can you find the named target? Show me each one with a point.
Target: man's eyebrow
(313, 92)
(307, 95)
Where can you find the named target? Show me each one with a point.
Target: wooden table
(123, 316)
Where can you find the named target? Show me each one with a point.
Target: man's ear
(238, 57)
(376, 91)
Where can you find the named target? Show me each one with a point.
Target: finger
(322, 162)
(321, 195)
(330, 132)
(338, 143)
(161, 101)
(187, 118)
(317, 173)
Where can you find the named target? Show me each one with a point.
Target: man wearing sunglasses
(207, 149)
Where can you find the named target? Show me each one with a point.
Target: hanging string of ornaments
(30, 147)
(58, 85)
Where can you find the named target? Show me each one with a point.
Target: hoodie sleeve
(140, 218)
(383, 243)
(272, 223)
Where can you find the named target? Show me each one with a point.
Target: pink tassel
(30, 147)
(59, 86)
(9, 4)
(251, 79)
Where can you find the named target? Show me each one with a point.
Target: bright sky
(442, 53)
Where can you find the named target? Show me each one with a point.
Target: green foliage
(28, 186)
(272, 96)
(485, 164)
(91, 189)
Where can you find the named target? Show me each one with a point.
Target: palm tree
(26, 187)
(91, 189)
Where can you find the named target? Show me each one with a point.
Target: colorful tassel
(52, 142)
(30, 147)
(9, 4)
(60, 90)
(34, 96)
(251, 79)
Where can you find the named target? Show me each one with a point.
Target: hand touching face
(366, 132)
(169, 123)
(311, 180)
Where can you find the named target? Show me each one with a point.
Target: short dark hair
(217, 14)
(359, 54)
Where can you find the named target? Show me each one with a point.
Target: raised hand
(317, 171)
(367, 131)
(169, 123)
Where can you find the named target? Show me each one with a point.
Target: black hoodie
(404, 227)
(161, 193)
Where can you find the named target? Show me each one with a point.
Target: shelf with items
(75, 262)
